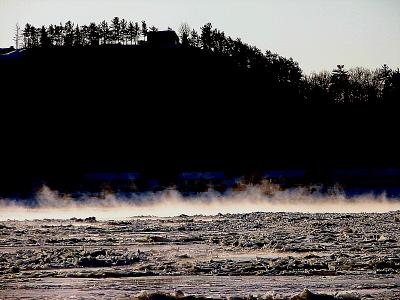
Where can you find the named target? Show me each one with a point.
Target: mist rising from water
(52, 205)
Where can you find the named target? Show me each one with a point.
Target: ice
(260, 253)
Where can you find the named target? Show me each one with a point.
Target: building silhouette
(163, 39)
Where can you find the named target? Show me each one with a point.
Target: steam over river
(50, 204)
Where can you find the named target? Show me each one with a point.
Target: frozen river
(214, 256)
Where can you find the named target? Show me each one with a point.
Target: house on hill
(163, 39)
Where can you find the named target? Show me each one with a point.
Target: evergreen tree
(50, 33)
(78, 39)
(340, 85)
(124, 32)
(85, 35)
(116, 30)
(392, 88)
(219, 41)
(58, 35)
(104, 32)
(194, 39)
(34, 36)
(144, 30)
(137, 32)
(206, 37)
(27, 36)
(131, 32)
(44, 38)
(93, 34)
(68, 34)
(385, 72)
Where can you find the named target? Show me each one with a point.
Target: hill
(71, 110)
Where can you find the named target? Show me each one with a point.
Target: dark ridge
(167, 110)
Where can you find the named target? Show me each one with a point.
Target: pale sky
(319, 34)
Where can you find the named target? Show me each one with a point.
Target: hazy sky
(319, 34)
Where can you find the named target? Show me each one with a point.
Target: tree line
(118, 31)
(356, 85)
(280, 74)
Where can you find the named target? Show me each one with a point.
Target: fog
(50, 204)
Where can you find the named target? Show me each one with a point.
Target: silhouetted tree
(27, 36)
(364, 85)
(124, 32)
(144, 30)
(184, 33)
(68, 34)
(93, 35)
(85, 35)
(392, 88)
(339, 88)
(50, 33)
(137, 32)
(78, 38)
(130, 32)
(104, 32)
(317, 87)
(116, 30)
(385, 72)
(35, 36)
(44, 38)
(194, 39)
(206, 37)
(384, 75)
(18, 36)
(240, 53)
(218, 41)
(58, 35)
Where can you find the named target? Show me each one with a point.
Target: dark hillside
(121, 107)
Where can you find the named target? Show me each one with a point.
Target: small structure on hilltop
(163, 39)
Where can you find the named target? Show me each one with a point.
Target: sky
(319, 34)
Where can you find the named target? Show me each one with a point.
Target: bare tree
(17, 36)
(184, 33)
